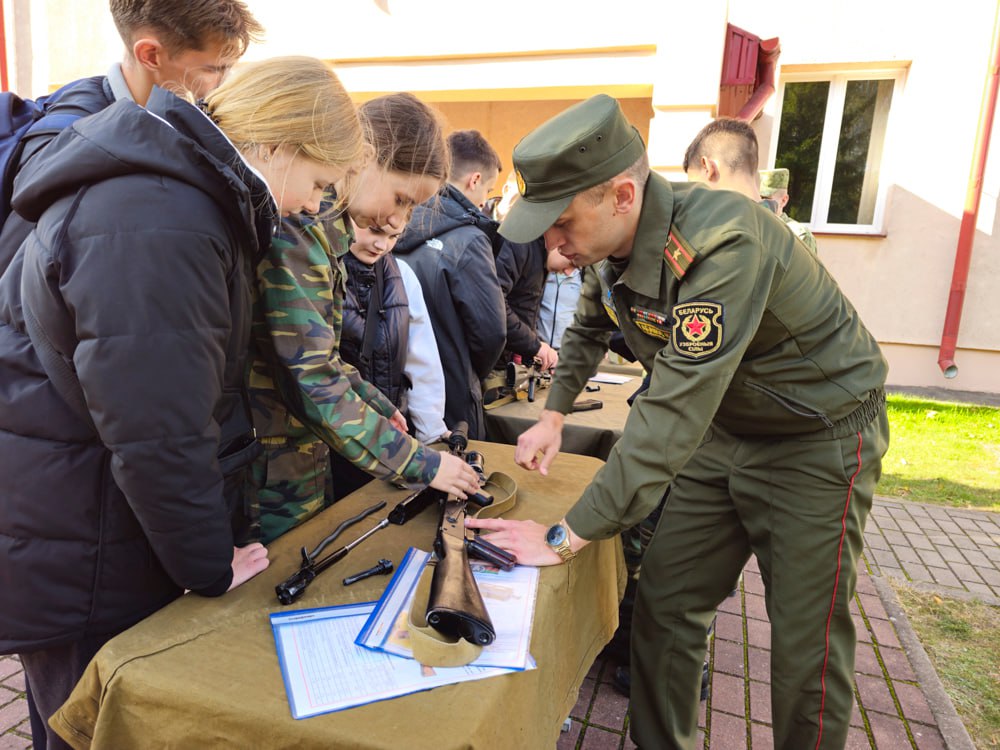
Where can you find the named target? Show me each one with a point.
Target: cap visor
(527, 221)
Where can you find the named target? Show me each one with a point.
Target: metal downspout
(767, 62)
(967, 232)
(3, 51)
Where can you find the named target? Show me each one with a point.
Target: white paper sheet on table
(609, 377)
(324, 670)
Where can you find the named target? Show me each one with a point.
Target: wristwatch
(557, 537)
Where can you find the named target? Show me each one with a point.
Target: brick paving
(899, 700)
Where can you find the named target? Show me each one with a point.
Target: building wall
(506, 72)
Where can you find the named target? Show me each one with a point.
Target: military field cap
(771, 180)
(585, 145)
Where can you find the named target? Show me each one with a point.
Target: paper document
(610, 377)
(509, 597)
(324, 670)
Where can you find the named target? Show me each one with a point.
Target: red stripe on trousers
(833, 601)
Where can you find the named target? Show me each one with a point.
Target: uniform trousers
(800, 506)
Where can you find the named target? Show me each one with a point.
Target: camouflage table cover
(203, 673)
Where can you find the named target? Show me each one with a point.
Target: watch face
(556, 535)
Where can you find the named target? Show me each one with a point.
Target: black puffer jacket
(521, 273)
(392, 331)
(448, 244)
(138, 273)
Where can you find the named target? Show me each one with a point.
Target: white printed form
(324, 670)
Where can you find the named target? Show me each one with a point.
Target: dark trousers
(50, 676)
(800, 506)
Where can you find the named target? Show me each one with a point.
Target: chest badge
(609, 307)
(651, 323)
(697, 329)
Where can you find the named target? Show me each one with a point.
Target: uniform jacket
(448, 244)
(298, 320)
(392, 328)
(737, 324)
(138, 274)
(521, 273)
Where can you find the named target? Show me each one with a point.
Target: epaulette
(678, 253)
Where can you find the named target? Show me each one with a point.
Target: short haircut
(729, 141)
(407, 135)
(638, 171)
(187, 24)
(470, 152)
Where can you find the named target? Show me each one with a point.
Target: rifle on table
(515, 382)
(455, 607)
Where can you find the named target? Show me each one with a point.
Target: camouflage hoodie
(298, 318)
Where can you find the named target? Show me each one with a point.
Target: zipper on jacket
(793, 406)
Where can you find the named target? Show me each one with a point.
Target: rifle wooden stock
(455, 607)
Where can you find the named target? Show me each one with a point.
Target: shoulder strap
(678, 253)
(373, 316)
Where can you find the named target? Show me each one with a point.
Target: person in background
(306, 399)
(184, 46)
(774, 191)
(147, 222)
(449, 245)
(724, 156)
(562, 290)
(765, 415)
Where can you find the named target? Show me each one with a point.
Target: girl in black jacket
(137, 279)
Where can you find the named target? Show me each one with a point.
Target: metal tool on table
(311, 566)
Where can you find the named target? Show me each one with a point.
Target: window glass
(799, 140)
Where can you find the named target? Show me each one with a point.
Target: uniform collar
(645, 264)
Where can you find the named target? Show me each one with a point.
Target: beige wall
(509, 75)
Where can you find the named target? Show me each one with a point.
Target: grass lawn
(960, 639)
(949, 454)
(943, 453)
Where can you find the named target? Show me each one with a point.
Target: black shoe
(622, 681)
(704, 681)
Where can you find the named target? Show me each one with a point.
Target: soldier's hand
(524, 539)
(547, 356)
(545, 438)
(247, 562)
(455, 477)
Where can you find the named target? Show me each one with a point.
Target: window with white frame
(831, 134)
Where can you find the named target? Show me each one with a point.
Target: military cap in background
(772, 180)
(581, 147)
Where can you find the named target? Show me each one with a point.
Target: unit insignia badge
(697, 329)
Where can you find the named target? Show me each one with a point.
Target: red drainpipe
(767, 62)
(967, 231)
(3, 52)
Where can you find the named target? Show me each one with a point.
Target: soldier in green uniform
(774, 190)
(765, 412)
(305, 398)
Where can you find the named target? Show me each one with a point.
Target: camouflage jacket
(298, 316)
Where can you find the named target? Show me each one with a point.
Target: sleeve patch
(697, 329)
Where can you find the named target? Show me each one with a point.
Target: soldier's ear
(625, 192)
(710, 168)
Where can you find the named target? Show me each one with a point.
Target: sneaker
(704, 681)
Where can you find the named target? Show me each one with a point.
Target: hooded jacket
(138, 274)
(449, 245)
(521, 272)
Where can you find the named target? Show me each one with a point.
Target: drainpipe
(3, 52)
(767, 62)
(967, 231)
